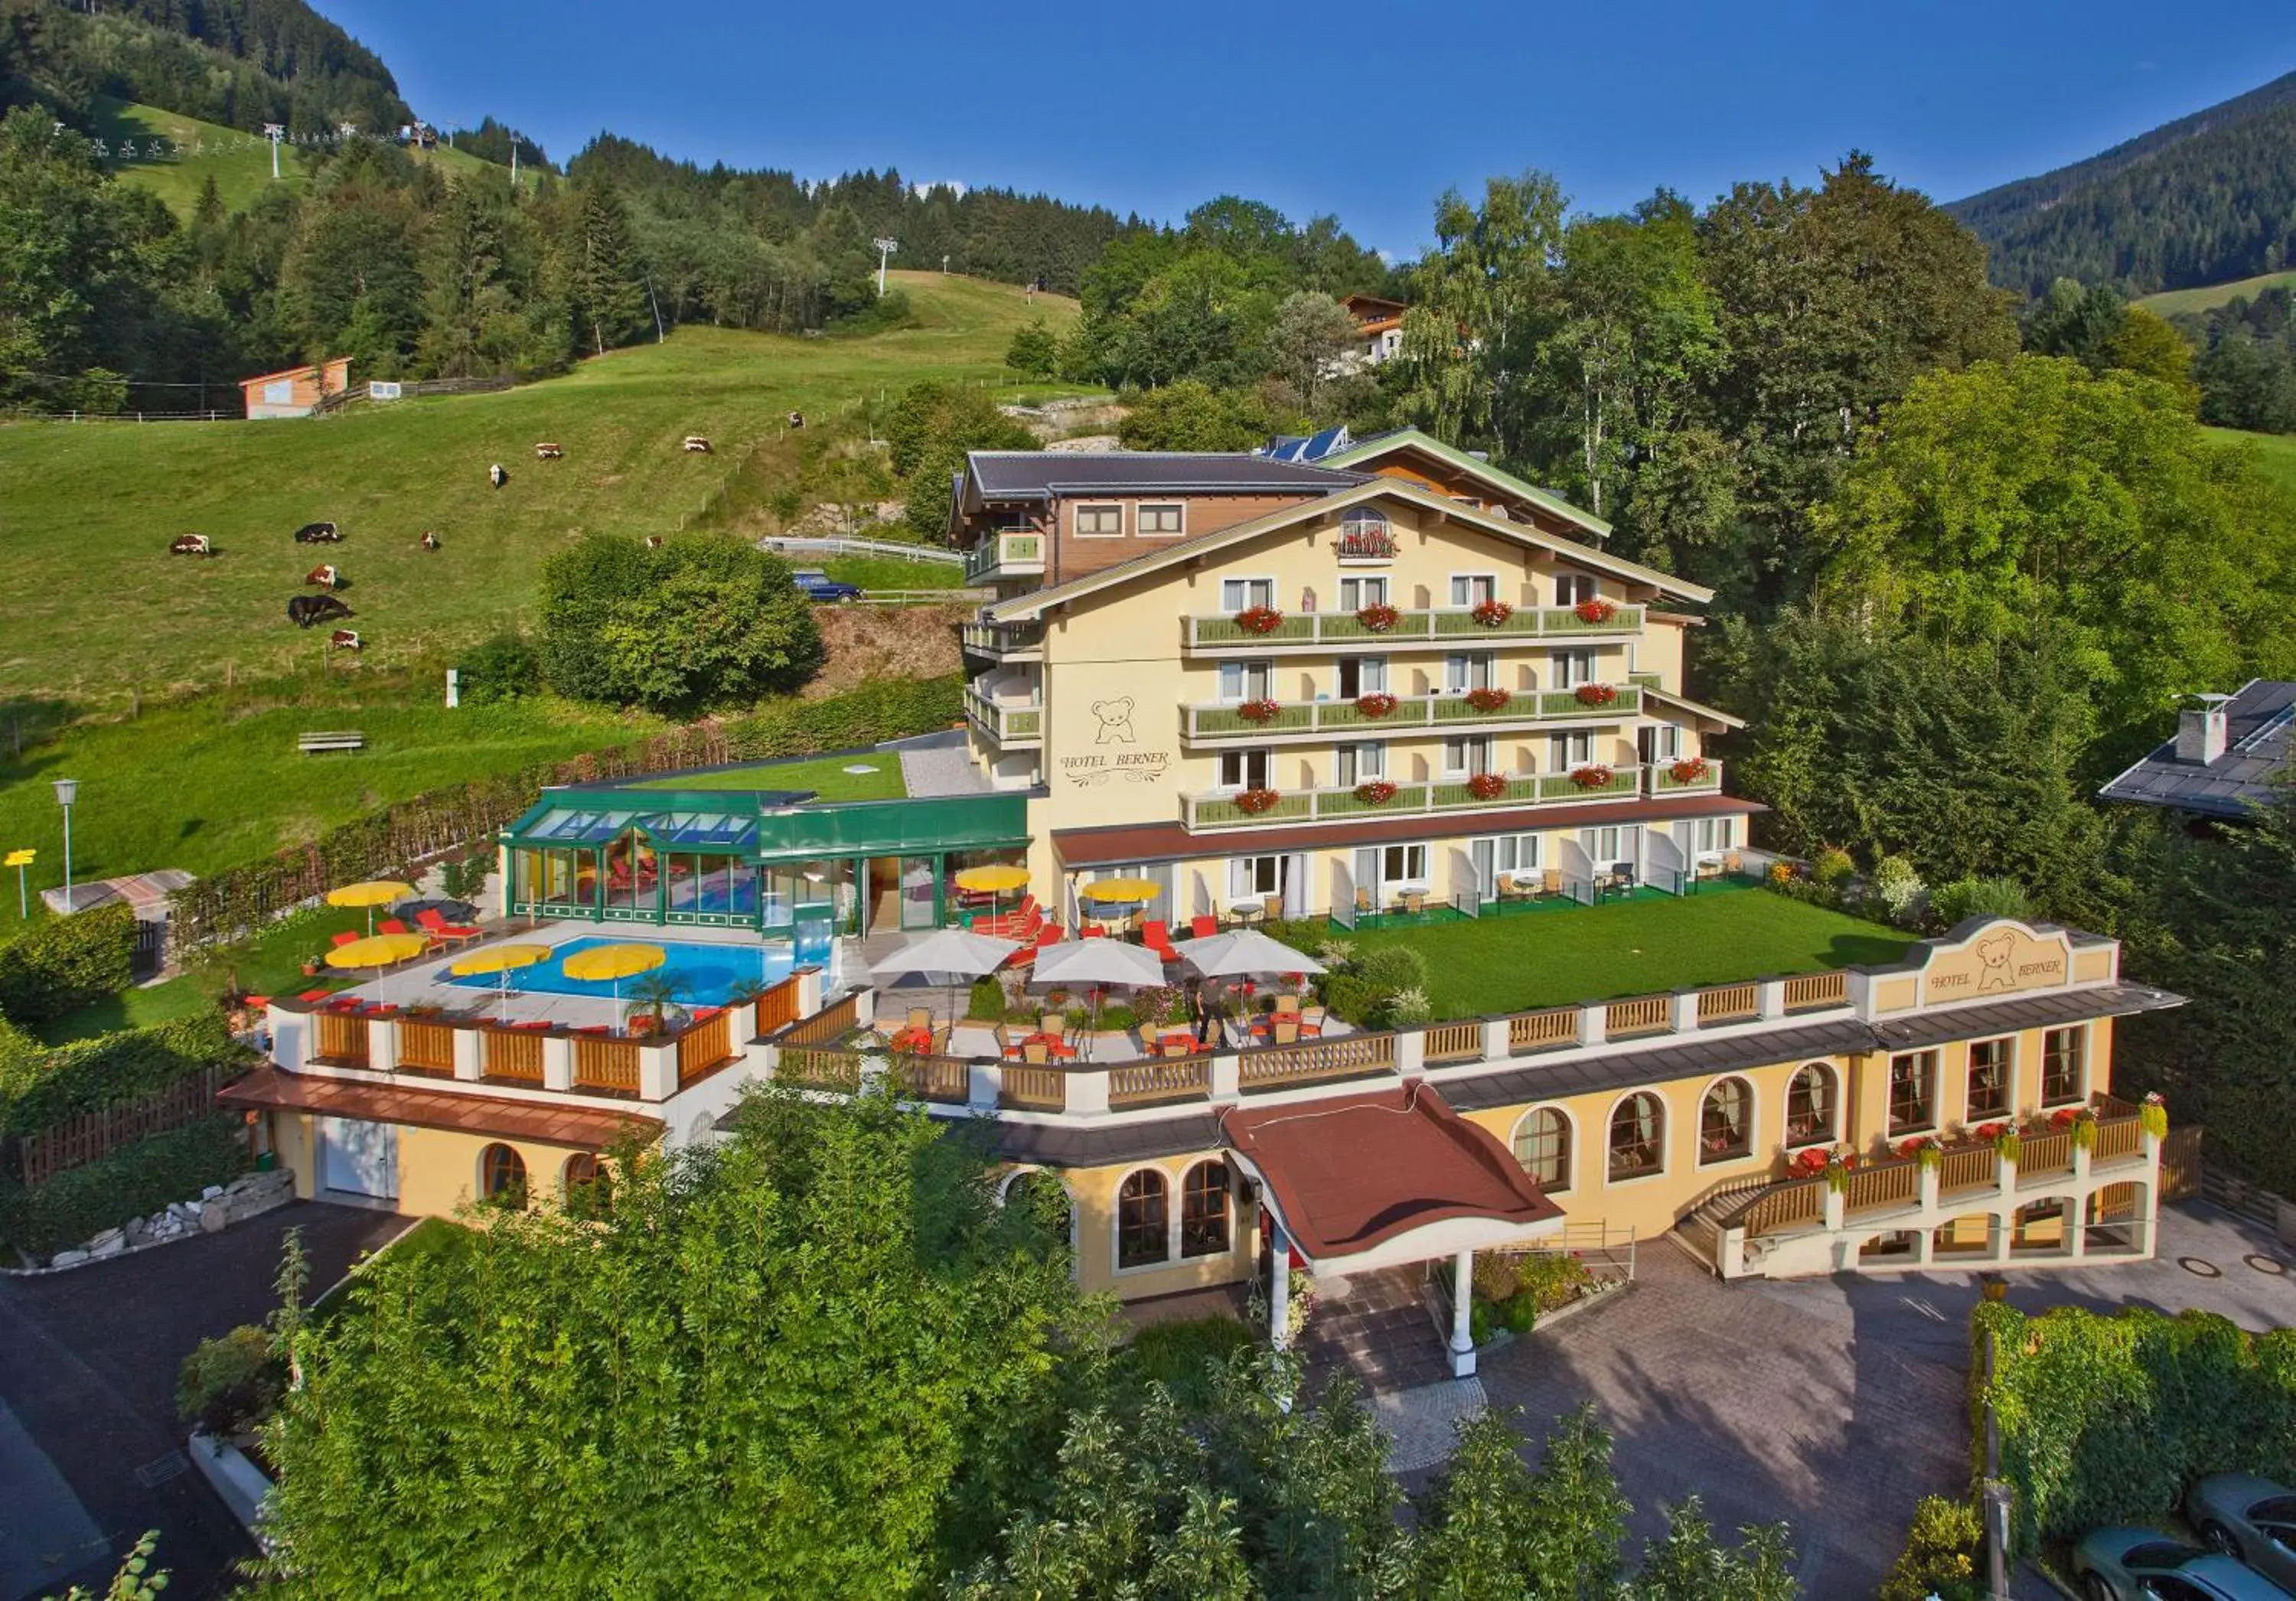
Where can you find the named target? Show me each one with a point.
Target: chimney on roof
(2201, 732)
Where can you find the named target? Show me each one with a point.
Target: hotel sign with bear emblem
(2002, 958)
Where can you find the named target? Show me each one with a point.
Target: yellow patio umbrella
(1121, 889)
(992, 880)
(501, 959)
(370, 893)
(378, 950)
(602, 962)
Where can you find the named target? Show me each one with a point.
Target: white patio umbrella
(1096, 963)
(1247, 953)
(955, 951)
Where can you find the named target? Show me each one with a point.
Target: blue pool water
(706, 974)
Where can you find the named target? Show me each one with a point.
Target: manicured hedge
(40, 1091)
(241, 901)
(133, 1181)
(2107, 1419)
(68, 963)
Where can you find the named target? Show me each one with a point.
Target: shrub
(1552, 1280)
(1035, 351)
(1831, 865)
(1965, 898)
(1393, 968)
(1496, 1278)
(1405, 1008)
(232, 1384)
(45, 1087)
(1176, 1352)
(1898, 887)
(1940, 1555)
(128, 1182)
(501, 668)
(1352, 998)
(67, 963)
(1192, 416)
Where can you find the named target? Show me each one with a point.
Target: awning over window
(1394, 1176)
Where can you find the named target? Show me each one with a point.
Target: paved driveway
(1833, 1403)
(87, 1399)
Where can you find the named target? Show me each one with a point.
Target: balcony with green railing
(1017, 724)
(1004, 641)
(1447, 624)
(1005, 556)
(1690, 775)
(1261, 808)
(1242, 722)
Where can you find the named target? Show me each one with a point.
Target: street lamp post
(67, 790)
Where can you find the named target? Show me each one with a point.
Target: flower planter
(1375, 791)
(1260, 619)
(1595, 611)
(1595, 695)
(1487, 699)
(1690, 770)
(1251, 803)
(1375, 705)
(1486, 786)
(1260, 712)
(1592, 777)
(1378, 618)
(1491, 614)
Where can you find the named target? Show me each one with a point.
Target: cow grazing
(318, 533)
(653, 541)
(695, 445)
(189, 545)
(305, 610)
(496, 476)
(429, 541)
(345, 639)
(548, 452)
(324, 576)
(797, 419)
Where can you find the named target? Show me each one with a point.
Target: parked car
(819, 586)
(2253, 1519)
(2145, 1564)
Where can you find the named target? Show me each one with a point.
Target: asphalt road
(91, 1455)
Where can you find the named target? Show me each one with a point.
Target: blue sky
(1366, 110)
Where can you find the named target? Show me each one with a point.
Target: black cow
(305, 610)
(318, 533)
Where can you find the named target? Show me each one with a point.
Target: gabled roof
(1366, 453)
(1037, 602)
(2258, 720)
(1044, 475)
(1694, 708)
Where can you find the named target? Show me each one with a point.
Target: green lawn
(97, 606)
(888, 572)
(825, 775)
(2177, 302)
(2275, 452)
(1550, 958)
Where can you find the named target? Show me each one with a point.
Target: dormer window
(1365, 536)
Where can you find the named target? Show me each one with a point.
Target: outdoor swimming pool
(706, 975)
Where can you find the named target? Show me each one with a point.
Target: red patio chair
(1202, 926)
(314, 995)
(346, 938)
(1158, 938)
(437, 926)
(392, 925)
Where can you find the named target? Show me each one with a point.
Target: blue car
(820, 586)
(2143, 1564)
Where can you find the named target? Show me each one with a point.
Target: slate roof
(2257, 724)
(1041, 474)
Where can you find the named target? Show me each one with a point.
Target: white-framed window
(1403, 865)
(1913, 1092)
(1571, 587)
(1602, 845)
(1464, 671)
(1565, 751)
(1474, 588)
(1466, 754)
(1542, 1145)
(1246, 681)
(1240, 594)
(1246, 769)
(1515, 853)
(1356, 594)
(1104, 522)
(1638, 1136)
(1991, 1094)
(1364, 536)
(1254, 876)
(1572, 669)
(1813, 1103)
(1162, 522)
(1662, 742)
(2064, 1065)
(1362, 676)
(1726, 1121)
(1144, 1220)
(1355, 764)
(1712, 836)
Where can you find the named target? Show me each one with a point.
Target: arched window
(1542, 1143)
(1810, 1102)
(502, 1176)
(1142, 1231)
(1638, 1136)
(1203, 1210)
(1726, 1121)
(588, 1187)
(1364, 535)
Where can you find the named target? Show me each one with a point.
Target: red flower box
(1491, 614)
(1252, 802)
(1486, 786)
(1379, 616)
(1375, 791)
(1260, 619)
(1596, 610)
(1260, 712)
(1690, 770)
(1592, 777)
(1809, 1163)
(1487, 699)
(1376, 704)
(1595, 695)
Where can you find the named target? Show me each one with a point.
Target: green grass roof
(825, 775)
(1575, 954)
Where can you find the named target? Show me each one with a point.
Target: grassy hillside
(86, 510)
(2275, 452)
(239, 162)
(2180, 303)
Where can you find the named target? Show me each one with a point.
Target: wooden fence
(704, 1048)
(78, 1141)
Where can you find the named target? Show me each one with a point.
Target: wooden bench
(339, 739)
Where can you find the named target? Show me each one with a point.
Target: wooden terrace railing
(1969, 1167)
(1157, 1080)
(1030, 1088)
(1796, 1203)
(610, 1065)
(341, 1039)
(2044, 1155)
(1349, 1056)
(1556, 1027)
(1728, 1003)
(2118, 1139)
(513, 1054)
(947, 1080)
(1646, 1015)
(1808, 991)
(1448, 1042)
(425, 1047)
(776, 1007)
(704, 1049)
(1878, 1185)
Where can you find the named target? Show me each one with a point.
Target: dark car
(819, 586)
(2253, 1519)
(2145, 1564)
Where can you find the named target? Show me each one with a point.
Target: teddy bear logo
(1115, 721)
(1995, 952)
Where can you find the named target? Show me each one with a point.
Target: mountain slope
(2209, 197)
